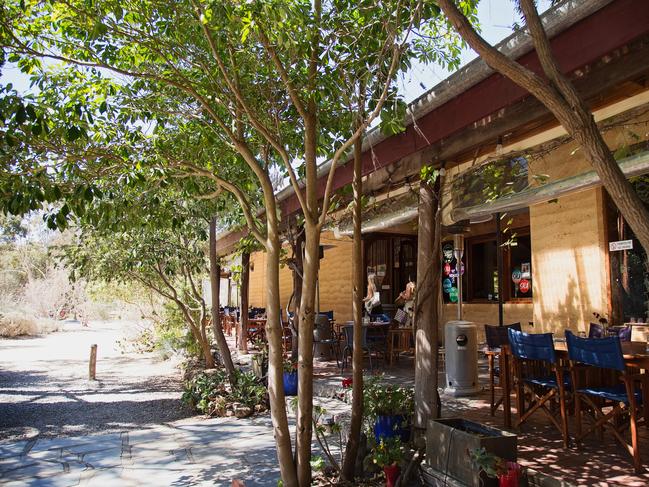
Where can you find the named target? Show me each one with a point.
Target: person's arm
(369, 293)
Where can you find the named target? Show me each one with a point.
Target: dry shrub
(16, 323)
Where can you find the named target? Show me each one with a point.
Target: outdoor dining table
(399, 340)
(636, 355)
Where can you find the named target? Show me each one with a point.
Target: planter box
(448, 442)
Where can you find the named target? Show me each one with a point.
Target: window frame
(467, 281)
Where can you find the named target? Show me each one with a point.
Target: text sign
(620, 245)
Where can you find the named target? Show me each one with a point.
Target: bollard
(92, 369)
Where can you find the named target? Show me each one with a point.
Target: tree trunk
(200, 337)
(210, 363)
(215, 286)
(353, 442)
(305, 353)
(275, 360)
(243, 309)
(427, 309)
(298, 272)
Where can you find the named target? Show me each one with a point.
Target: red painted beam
(587, 41)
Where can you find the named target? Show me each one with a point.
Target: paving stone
(10, 449)
(111, 457)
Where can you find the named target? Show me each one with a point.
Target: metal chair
(496, 336)
(537, 370)
(324, 335)
(595, 330)
(348, 332)
(616, 390)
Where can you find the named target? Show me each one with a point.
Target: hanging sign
(454, 274)
(447, 284)
(526, 270)
(620, 245)
(452, 294)
(516, 275)
(447, 269)
(524, 286)
(447, 252)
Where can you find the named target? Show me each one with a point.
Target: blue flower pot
(290, 383)
(392, 426)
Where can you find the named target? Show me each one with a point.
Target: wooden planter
(448, 442)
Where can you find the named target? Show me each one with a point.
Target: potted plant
(290, 378)
(494, 467)
(388, 409)
(387, 454)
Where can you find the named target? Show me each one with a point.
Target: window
(519, 268)
(483, 270)
(480, 281)
(629, 277)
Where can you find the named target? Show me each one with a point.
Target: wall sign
(447, 252)
(620, 245)
(447, 284)
(452, 294)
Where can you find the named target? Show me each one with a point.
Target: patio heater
(461, 340)
(458, 251)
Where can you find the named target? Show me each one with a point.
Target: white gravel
(45, 391)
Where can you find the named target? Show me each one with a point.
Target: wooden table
(403, 339)
(635, 356)
(256, 329)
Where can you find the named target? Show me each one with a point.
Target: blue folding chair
(619, 392)
(538, 372)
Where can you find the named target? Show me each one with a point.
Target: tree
(162, 252)
(269, 80)
(428, 312)
(554, 90)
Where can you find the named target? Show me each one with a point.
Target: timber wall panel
(569, 262)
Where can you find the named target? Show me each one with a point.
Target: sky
(496, 19)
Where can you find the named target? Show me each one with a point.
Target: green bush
(211, 392)
(173, 335)
(385, 399)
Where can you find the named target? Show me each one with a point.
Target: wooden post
(92, 368)
(245, 285)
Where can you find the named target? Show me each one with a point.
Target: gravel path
(44, 387)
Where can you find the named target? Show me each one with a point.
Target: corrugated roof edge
(556, 20)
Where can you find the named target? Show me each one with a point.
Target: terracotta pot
(391, 473)
(509, 479)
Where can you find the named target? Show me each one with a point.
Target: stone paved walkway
(193, 451)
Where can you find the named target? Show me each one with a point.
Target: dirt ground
(45, 391)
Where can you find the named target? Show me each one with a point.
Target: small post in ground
(92, 369)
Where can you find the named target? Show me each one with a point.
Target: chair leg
(562, 407)
(490, 360)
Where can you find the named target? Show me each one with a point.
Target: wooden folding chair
(620, 390)
(496, 337)
(541, 376)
